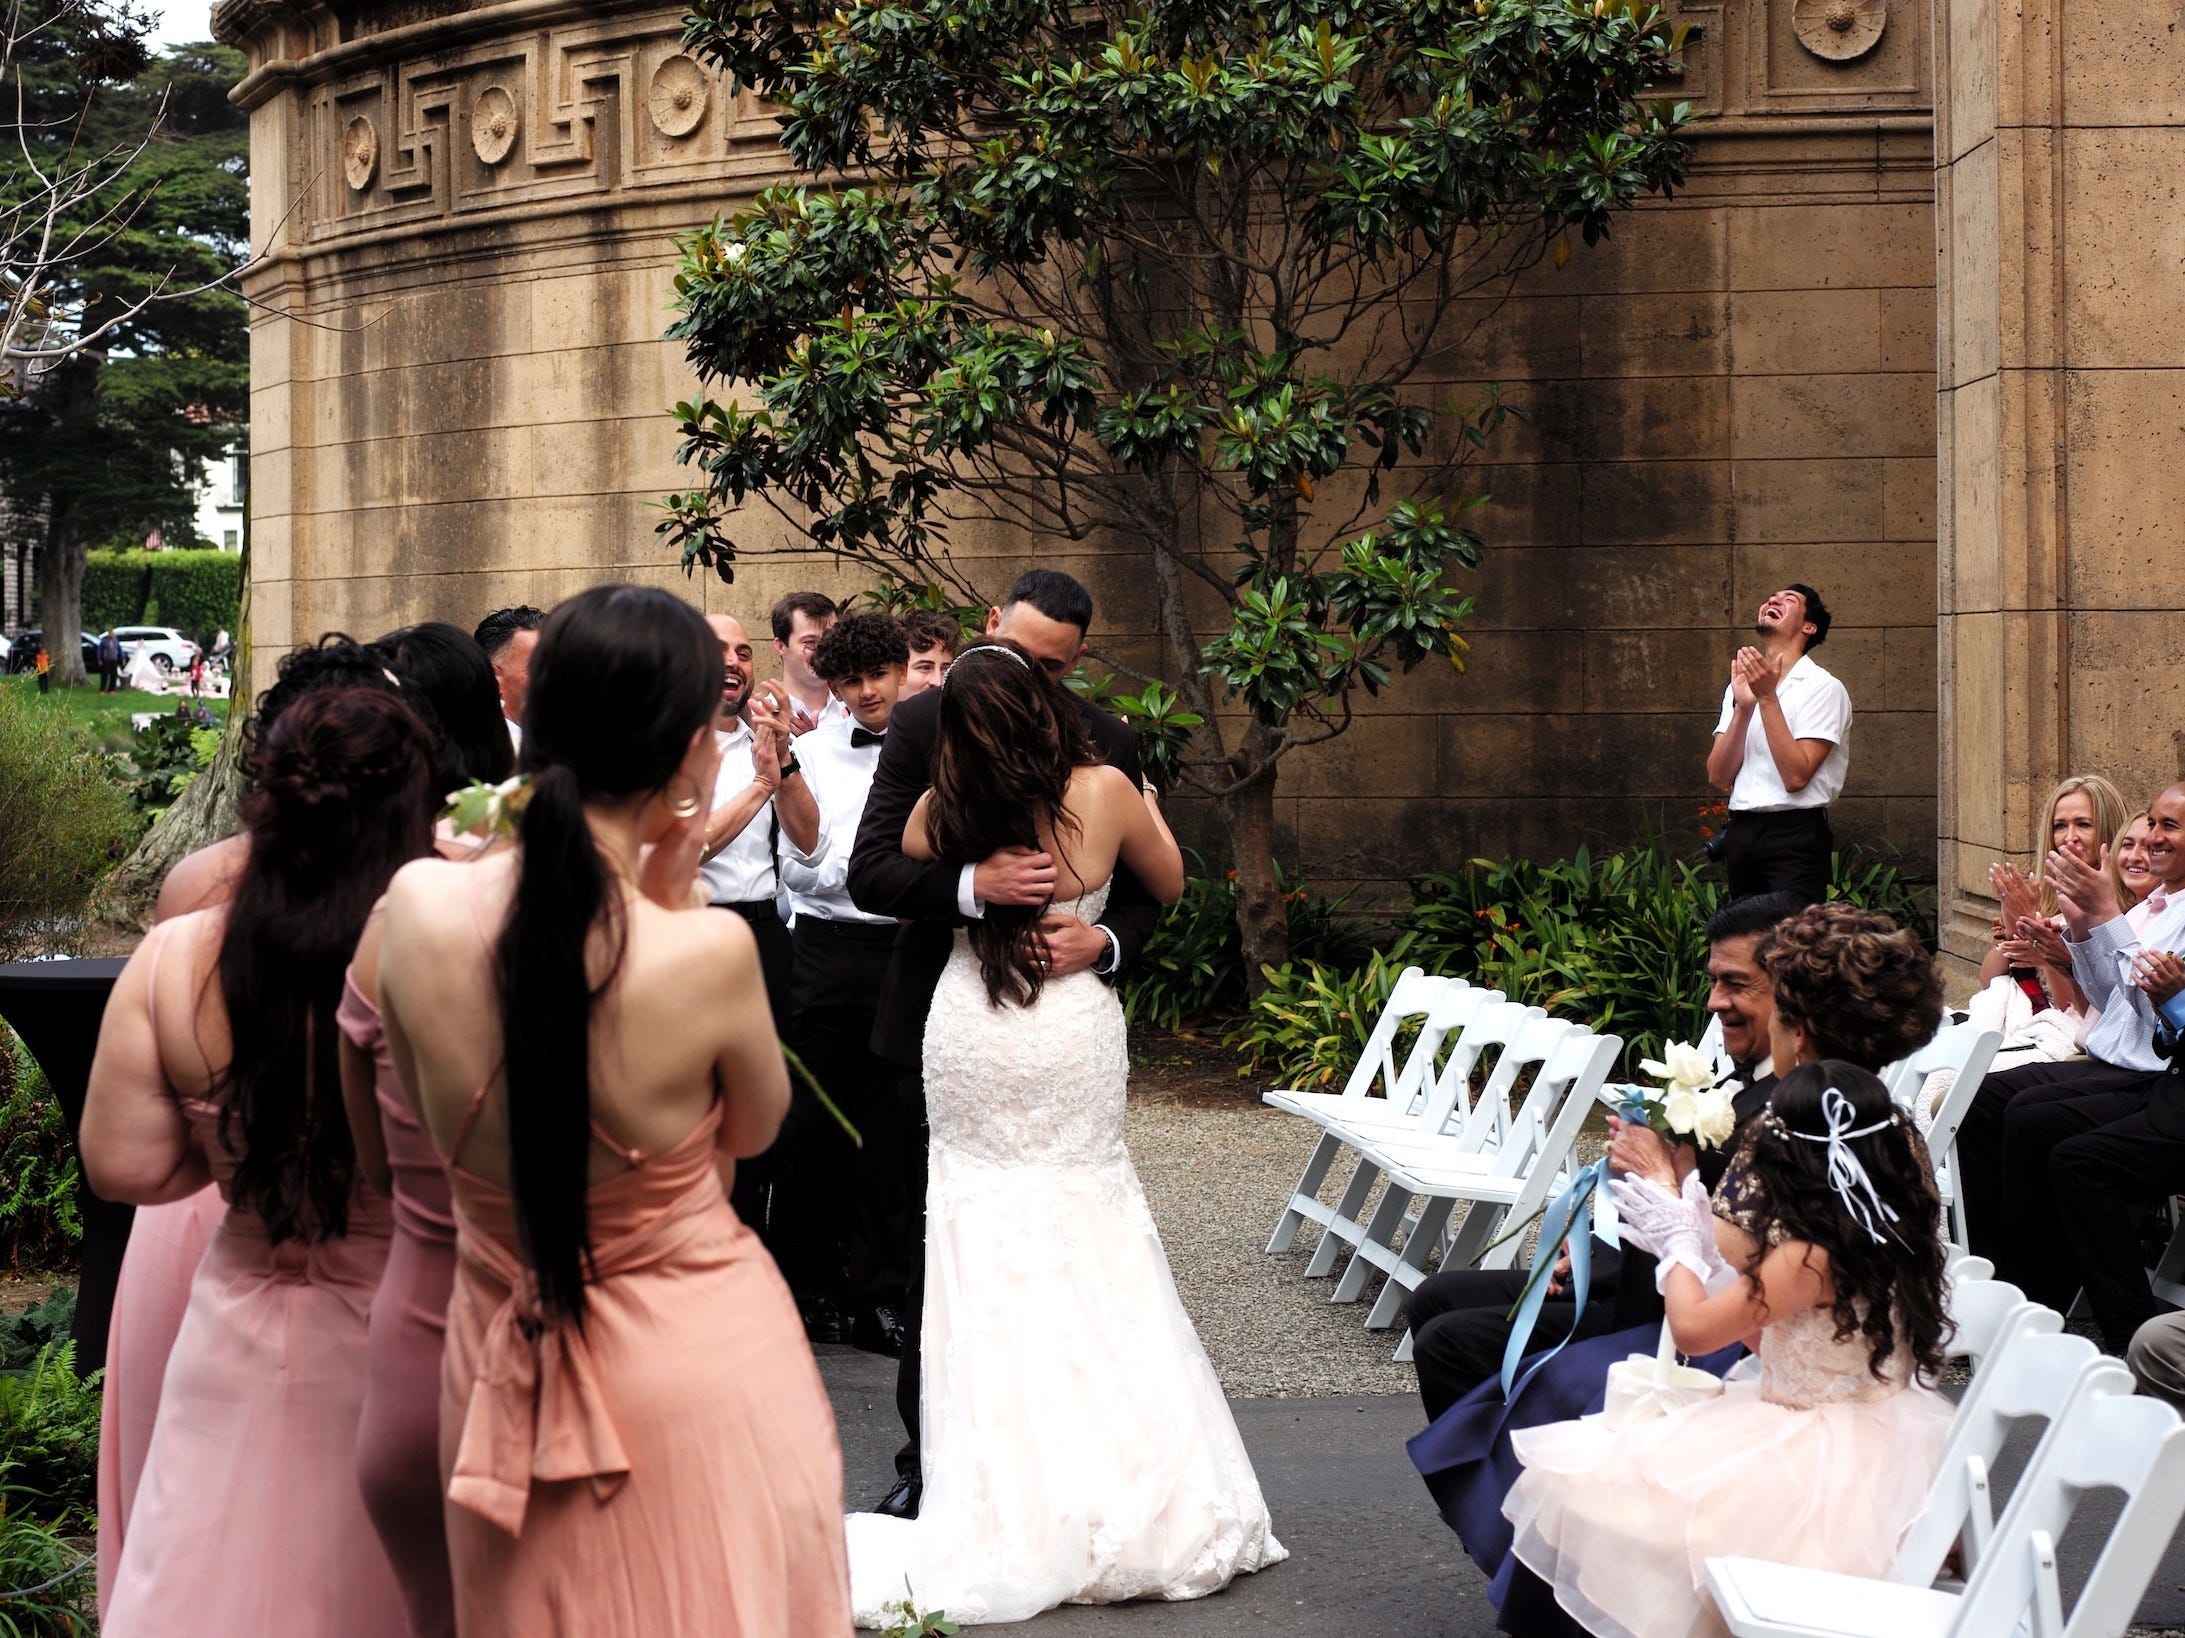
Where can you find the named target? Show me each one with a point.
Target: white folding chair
(1523, 1033)
(1506, 1187)
(2105, 1438)
(1376, 1079)
(1967, 1050)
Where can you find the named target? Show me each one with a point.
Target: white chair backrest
(2036, 1372)
(1709, 1045)
(1528, 1036)
(1984, 1311)
(1497, 1024)
(1954, 1046)
(1563, 1096)
(1412, 996)
(1972, 1069)
(1963, 1265)
(2106, 1439)
(1516, 1131)
(1443, 1029)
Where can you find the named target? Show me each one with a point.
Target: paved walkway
(1369, 1558)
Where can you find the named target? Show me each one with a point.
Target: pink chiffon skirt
(1621, 1525)
(248, 1518)
(166, 1243)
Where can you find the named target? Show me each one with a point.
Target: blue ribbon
(1572, 1218)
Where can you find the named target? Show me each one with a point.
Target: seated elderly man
(1460, 1318)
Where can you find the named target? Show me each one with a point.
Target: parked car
(23, 652)
(170, 650)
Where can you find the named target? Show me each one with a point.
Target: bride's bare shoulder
(1102, 782)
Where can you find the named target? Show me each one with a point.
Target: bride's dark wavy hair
(1005, 744)
(1887, 1293)
(623, 679)
(340, 799)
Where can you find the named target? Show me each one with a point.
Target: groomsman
(840, 1212)
(1047, 613)
(802, 696)
(760, 787)
(933, 638)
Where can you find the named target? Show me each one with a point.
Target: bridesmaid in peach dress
(247, 1518)
(634, 1432)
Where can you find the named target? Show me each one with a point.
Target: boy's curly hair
(859, 645)
(1861, 987)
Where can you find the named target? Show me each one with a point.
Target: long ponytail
(623, 677)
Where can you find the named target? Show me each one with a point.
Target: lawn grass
(106, 716)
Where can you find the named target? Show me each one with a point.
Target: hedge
(196, 592)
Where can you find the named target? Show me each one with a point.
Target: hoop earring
(686, 807)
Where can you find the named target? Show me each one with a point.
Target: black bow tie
(862, 737)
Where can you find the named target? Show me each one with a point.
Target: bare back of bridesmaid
(633, 1431)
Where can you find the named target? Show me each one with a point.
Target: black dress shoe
(879, 1330)
(824, 1321)
(902, 1501)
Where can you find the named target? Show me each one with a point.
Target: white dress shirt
(744, 869)
(840, 777)
(2124, 1034)
(1816, 706)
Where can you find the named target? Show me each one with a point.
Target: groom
(1046, 613)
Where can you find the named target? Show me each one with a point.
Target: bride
(1078, 1448)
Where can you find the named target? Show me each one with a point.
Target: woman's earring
(686, 807)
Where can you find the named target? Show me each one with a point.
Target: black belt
(751, 909)
(878, 935)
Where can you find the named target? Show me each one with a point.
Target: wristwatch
(1105, 963)
(791, 765)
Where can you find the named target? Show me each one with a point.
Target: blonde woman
(2084, 812)
(2132, 872)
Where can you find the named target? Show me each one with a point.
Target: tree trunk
(1249, 813)
(60, 604)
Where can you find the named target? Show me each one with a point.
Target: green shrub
(1616, 942)
(35, 1556)
(1309, 1025)
(1192, 968)
(197, 592)
(165, 755)
(49, 1427)
(42, 1324)
(63, 823)
(38, 1223)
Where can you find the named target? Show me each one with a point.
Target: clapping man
(1047, 614)
(840, 1214)
(801, 695)
(1782, 749)
(759, 785)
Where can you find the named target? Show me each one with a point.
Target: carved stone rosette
(1839, 31)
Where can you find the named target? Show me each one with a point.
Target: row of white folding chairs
(2097, 1435)
(1436, 1144)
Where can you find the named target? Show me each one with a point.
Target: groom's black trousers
(917, 1139)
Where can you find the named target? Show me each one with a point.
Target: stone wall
(2061, 346)
(467, 406)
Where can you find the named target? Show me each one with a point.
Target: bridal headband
(987, 648)
(1845, 1174)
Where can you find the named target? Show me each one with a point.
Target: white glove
(1679, 1229)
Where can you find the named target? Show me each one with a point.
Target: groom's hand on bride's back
(1014, 875)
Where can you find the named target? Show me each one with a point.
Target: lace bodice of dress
(1042, 1084)
(1803, 1364)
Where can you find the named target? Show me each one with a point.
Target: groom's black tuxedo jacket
(922, 893)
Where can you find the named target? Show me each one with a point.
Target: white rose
(1681, 1109)
(1687, 1068)
(1717, 1119)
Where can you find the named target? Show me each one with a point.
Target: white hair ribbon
(1845, 1175)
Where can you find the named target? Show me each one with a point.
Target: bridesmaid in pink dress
(247, 1518)
(634, 1432)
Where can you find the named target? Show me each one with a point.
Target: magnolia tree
(1184, 279)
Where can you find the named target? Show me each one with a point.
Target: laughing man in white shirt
(1782, 748)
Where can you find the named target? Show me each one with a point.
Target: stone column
(2059, 142)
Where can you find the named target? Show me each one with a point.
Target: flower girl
(1825, 1260)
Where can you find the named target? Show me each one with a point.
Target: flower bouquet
(1693, 1103)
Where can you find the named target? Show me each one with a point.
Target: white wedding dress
(1077, 1446)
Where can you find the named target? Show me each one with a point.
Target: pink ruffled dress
(1806, 1458)
(398, 1435)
